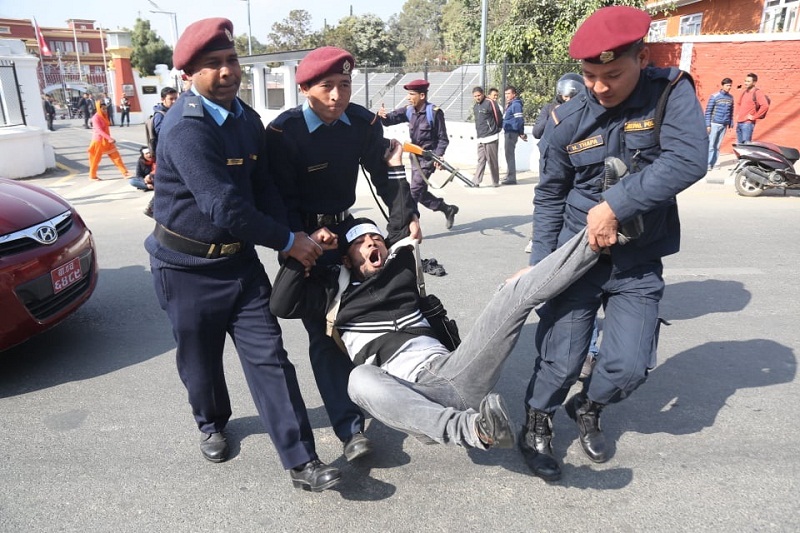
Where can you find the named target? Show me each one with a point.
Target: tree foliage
(418, 29)
(149, 49)
(242, 45)
(367, 38)
(292, 33)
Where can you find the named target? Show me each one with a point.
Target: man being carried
(405, 376)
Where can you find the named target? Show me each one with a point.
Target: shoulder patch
(193, 107)
(361, 113)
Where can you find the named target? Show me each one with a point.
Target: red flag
(43, 49)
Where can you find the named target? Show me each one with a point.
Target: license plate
(66, 275)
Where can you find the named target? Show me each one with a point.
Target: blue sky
(114, 14)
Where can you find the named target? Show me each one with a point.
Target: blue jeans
(744, 131)
(441, 405)
(715, 140)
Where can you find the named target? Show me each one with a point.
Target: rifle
(430, 156)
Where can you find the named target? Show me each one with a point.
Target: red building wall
(777, 64)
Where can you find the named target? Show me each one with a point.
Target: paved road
(98, 435)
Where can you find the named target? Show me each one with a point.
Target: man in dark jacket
(488, 122)
(427, 129)
(665, 154)
(214, 202)
(513, 130)
(86, 107)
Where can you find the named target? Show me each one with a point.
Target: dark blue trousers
(630, 335)
(203, 306)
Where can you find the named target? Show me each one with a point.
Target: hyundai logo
(46, 234)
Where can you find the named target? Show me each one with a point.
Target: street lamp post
(174, 17)
(249, 31)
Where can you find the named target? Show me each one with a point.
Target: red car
(48, 265)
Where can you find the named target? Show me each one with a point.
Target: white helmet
(569, 85)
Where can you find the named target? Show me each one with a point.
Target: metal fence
(11, 110)
(450, 89)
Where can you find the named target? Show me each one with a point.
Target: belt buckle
(230, 248)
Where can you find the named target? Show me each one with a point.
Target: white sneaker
(529, 247)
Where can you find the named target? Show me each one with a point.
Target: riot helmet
(569, 85)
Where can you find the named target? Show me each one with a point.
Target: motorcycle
(761, 166)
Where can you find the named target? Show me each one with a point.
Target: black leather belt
(188, 246)
(312, 221)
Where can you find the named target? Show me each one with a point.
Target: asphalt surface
(98, 436)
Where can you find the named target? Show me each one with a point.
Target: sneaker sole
(504, 437)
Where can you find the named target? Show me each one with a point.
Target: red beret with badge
(322, 62)
(420, 86)
(609, 32)
(206, 35)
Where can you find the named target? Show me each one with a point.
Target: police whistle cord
(430, 156)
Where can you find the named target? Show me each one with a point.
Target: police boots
(534, 443)
(449, 214)
(586, 414)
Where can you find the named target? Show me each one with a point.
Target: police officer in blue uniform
(664, 155)
(427, 129)
(315, 152)
(214, 203)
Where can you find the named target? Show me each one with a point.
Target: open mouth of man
(374, 258)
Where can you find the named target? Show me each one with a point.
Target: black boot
(586, 414)
(449, 214)
(534, 443)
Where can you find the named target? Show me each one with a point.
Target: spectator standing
(110, 107)
(215, 202)
(315, 153)
(719, 117)
(124, 111)
(87, 107)
(427, 129)
(752, 106)
(49, 111)
(494, 94)
(168, 97)
(571, 195)
(487, 127)
(513, 130)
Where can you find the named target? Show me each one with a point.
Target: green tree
(292, 33)
(367, 38)
(418, 29)
(461, 30)
(149, 49)
(241, 44)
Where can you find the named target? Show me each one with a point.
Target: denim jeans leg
(430, 408)
(475, 366)
(714, 142)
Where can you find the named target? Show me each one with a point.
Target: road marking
(712, 272)
(72, 173)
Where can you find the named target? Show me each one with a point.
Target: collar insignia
(192, 104)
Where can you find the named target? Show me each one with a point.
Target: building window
(658, 30)
(5, 29)
(84, 47)
(780, 16)
(690, 24)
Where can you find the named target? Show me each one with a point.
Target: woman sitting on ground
(145, 169)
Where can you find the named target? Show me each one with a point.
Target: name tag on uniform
(235, 162)
(314, 168)
(585, 144)
(640, 125)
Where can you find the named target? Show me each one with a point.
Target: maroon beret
(206, 35)
(417, 85)
(324, 61)
(608, 32)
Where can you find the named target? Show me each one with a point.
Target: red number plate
(66, 275)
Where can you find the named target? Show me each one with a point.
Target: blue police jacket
(213, 185)
(429, 136)
(719, 109)
(317, 171)
(583, 133)
(513, 119)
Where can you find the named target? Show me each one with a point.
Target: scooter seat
(790, 153)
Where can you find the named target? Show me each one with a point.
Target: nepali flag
(43, 49)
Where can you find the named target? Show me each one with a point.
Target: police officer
(214, 202)
(427, 129)
(617, 117)
(315, 151)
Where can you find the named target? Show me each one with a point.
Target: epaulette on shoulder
(672, 74)
(361, 112)
(278, 122)
(193, 106)
(562, 111)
